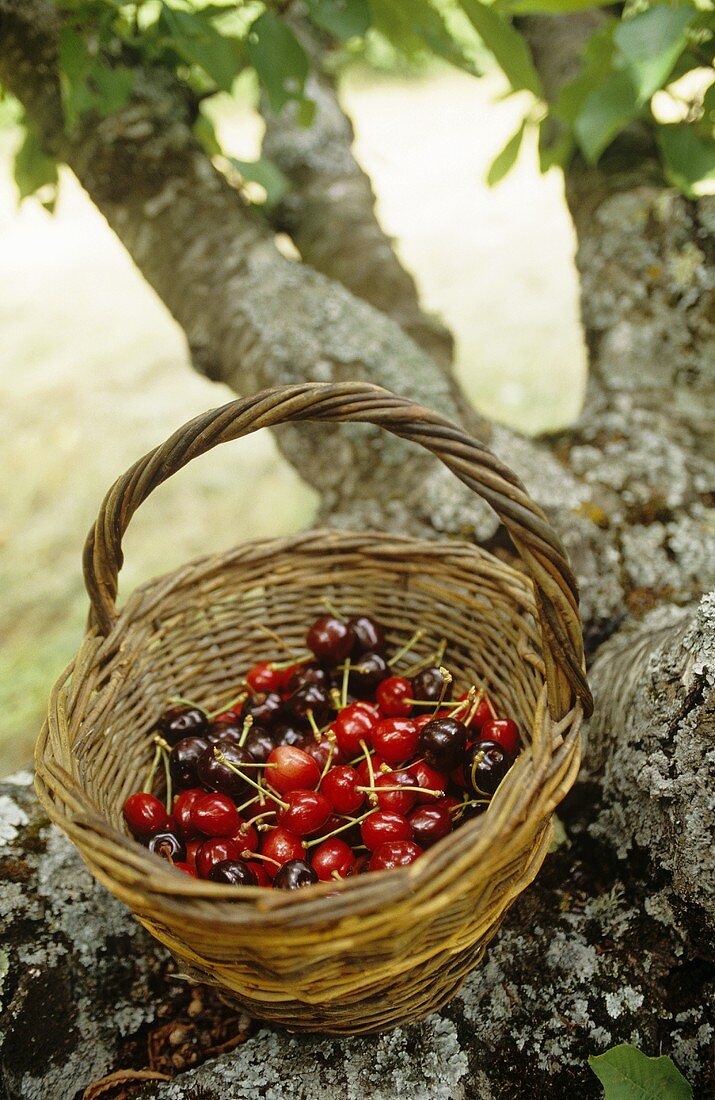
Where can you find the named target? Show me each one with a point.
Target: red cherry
(145, 814)
(430, 824)
(394, 697)
(353, 725)
(281, 845)
(429, 778)
(213, 851)
(330, 639)
(333, 855)
(227, 718)
(247, 835)
(340, 787)
(215, 815)
(393, 854)
(395, 739)
(185, 868)
(334, 822)
(192, 848)
(263, 677)
(399, 801)
(449, 802)
(307, 812)
(504, 732)
(322, 751)
(259, 870)
(421, 721)
(363, 770)
(384, 825)
(294, 770)
(482, 714)
(182, 811)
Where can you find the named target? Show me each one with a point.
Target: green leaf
(33, 169)
(75, 63)
(651, 43)
(628, 1074)
(278, 58)
(194, 37)
(113, 87)
(412, 25)
(504, 162)
(206, 134)
(558, 7)
(556, 146)
(344, 19)
(688, 158)
(597, 65)
(509, 48)
(266, 173)
(606, 111)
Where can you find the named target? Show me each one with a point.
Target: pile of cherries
(323, 767)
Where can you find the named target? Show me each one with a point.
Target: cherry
(265, 708)
(334, 822)
(323, 751)
(430, 779)
(290, 769)
(184, 759)
(234, 872)
(183, 808)
(306, 813)
(215, 815)
(428, 685)
(384, 825)
(394, 697)
(442, 742)
(214, 851)
(181, 866)
(482, 714)
(361, 865)
(192, 848)
(182, 720)
(312, 673)
(340, 787)
(228, 731)
(145, 814)
(218, 776)
(503, 732)
(377, 763)
(260, 873)
(393, 854)
(485, 767)
(369, 635)
(246, 835)
(289, 735)
(400, 801)
(353, 725)
(330, 639)
(365, 676)
(395, 739)
(430, 824)
(281, 845)
(167, 844)
(311, 698)
(333, 857)
(294, 875)
(264, 677)
(260, 743)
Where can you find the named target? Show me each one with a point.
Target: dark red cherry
(322, 751)
(280, 845)
(182, 810)
(182, 720)
(215, 851)
(234, 872)
(393, 854)
(353, 725)
(265, 708)
(504, 732)
(442, 742)
(306, 813)
(401, 801)
(430, 824)
(260, 743)
(217, 776)
(311, 673)
(333, 857)
(367, 673)
(290, 735)
(184, 759)
(340, 787)
(394, 697)
(294, 875)
(485, 766)
(369, 635)
(215, 815)
(395, 739)
(227, 731)
(311, 698)
(167, 844)
(428, 685)
(330, 639)
(145, 814)
(290, 769)
(384, 825)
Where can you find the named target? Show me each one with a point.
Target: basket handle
(344, 402)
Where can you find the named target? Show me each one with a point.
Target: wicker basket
(378, 950)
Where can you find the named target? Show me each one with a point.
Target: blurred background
(94, 371)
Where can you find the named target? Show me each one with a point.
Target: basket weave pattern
(377, 950)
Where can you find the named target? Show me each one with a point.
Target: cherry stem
(446, 681)
(434, 658)
(167, 775)
(328, 762)
(248, 854)
(475, 706)
(228, 706)
(149, 781)
(277, 666)
(258, 817)
(404, 787)
(313, 724)
(245, 805)
(237, 771)
(348, 824)
(331, 607)
(247, 723)
(336, 699)
(430, 703)
(466, 704)
(161, 743)
(277, 638)
(370, 770)
(418, 634)
(180, 700)
(346, 677)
